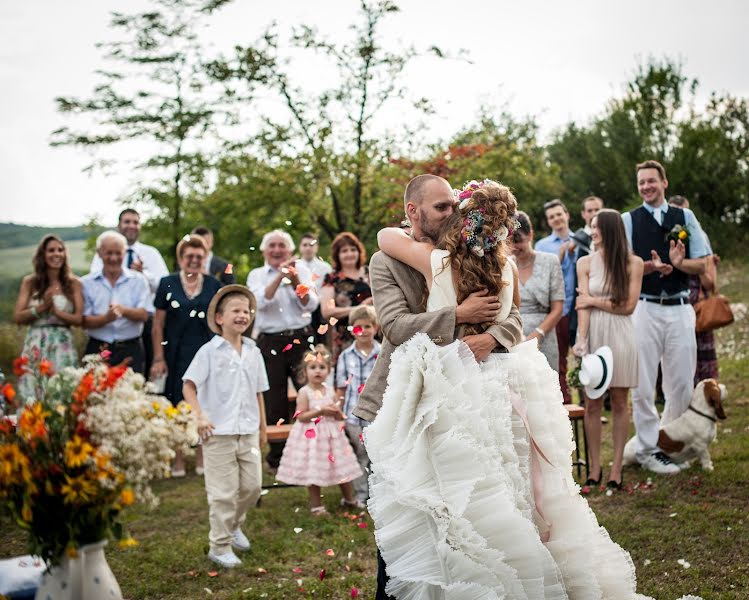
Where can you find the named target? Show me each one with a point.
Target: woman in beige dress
(609, 283)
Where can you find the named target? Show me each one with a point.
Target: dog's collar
(693, 409)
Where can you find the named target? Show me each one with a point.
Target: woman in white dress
(471, 486)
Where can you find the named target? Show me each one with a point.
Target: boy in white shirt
(224, 385)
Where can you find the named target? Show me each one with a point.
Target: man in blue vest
(663, 319)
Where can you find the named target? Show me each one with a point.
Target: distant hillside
(13, 235)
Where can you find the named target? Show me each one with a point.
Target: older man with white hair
(286, 298)
(116, 303)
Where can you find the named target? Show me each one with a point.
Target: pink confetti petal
(296, 341)
(105, 354)
(357, 330)
(350, 377)
(287, 347)
(354, 592)
(362, 525)
(331, 458)
(361, 387)
(315, 277)
(296, 414)
(310, 434)
(330, 552)
(297, 570)
(323, 329)
(229, 269)
(321, 575)
(361, 438)
(316, 420)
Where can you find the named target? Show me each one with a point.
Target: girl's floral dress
(51, 339)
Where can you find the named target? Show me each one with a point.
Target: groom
(399, 293)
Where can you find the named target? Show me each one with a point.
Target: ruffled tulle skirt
(471, 488)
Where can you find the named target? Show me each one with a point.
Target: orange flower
(302, 291)
(46, 368)
(127, 497)
(8, 392)
(85, 387)
(19, 365)
(32, 423)
(114, 374)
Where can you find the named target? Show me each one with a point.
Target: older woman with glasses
(179, 324)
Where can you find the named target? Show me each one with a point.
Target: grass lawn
(698, 517)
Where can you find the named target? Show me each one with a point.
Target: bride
(471, 489)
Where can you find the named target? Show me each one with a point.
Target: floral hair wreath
(473, 222)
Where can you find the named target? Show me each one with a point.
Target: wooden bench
(278, 433)
(576, 414)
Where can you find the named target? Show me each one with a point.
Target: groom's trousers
(382, 579)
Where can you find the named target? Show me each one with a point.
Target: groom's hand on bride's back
(479, 307)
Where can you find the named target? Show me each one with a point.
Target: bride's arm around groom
(399, 293)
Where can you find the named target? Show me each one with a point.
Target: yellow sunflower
(77, 451)
(77, 490)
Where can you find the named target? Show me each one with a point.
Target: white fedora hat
(596, 370)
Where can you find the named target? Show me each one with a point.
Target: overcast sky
(559, 61)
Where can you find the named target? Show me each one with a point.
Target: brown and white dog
(689, 436)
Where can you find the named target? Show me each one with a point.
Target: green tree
(599, 158)
(330, 136)
(156, 91)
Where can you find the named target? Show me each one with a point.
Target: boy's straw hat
(234, 288)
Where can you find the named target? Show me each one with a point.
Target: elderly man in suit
(398, 292)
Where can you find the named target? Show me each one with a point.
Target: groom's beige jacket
(398, 292)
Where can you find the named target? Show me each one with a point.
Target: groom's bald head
(418, 188)
(428, 201)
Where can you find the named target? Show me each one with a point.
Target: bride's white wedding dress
(467, 505)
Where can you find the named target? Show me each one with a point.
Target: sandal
(318, 511)
(356, 503)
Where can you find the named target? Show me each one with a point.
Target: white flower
(501, 233)
(464, 203)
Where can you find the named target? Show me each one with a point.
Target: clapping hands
(659, 265)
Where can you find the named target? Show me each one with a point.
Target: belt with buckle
(302, 331)
(667, 301)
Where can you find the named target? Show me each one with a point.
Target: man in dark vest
(663, 320)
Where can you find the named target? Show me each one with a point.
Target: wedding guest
(700, 287)
(117, 302)
(609, 283)
(224, 386)
(142, 258)
(355, 365)
(541, 290)
(308, 249)
(557, 243)
(179, 324)
(284, 306)
(50, 301)
(664, 319)
(345, 287)
(213, 265)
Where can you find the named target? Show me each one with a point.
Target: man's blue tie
(130, 259)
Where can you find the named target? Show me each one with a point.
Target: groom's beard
(430, 229)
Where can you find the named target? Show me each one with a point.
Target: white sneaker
(239, 540)
(228, 560)
(660, 463)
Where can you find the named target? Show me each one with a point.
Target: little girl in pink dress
(318, 453)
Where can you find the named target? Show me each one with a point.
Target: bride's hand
(480, 344)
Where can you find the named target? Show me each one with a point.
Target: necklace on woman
(194, 287)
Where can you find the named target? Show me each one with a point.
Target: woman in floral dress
(50, 301)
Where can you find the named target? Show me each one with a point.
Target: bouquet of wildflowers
(679, 233)
(86, 448)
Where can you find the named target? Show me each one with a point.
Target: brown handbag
(713, 312)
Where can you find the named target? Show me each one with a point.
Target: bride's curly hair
(461, 236)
